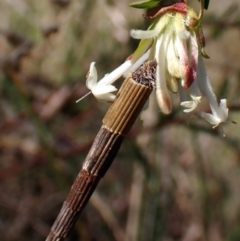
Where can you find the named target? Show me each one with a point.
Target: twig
(117, 122)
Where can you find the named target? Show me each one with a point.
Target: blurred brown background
(178, 180)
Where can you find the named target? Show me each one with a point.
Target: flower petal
(223, 106)
(173, 63)
(187, 57)
(162, 93)
(192, 104)
(212, 119)
(92, 76)
(103, 92)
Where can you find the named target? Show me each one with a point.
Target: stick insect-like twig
(117, 122)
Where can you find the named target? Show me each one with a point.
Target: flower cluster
(176, 41)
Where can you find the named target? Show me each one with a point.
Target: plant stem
(117, 122)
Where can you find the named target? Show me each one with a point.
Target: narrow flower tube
(138, 63)
(116, 74)
(162, 92)
(219, 112)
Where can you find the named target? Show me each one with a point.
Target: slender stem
(117, 122)
(135, 203)
(108, 216)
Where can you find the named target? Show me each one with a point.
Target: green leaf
(145, 4)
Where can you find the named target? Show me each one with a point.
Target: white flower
(175, 40)
(102, 91)
(219, 112)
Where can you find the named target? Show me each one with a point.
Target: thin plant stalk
(135, 203)
(117, 122)
(108, 216)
